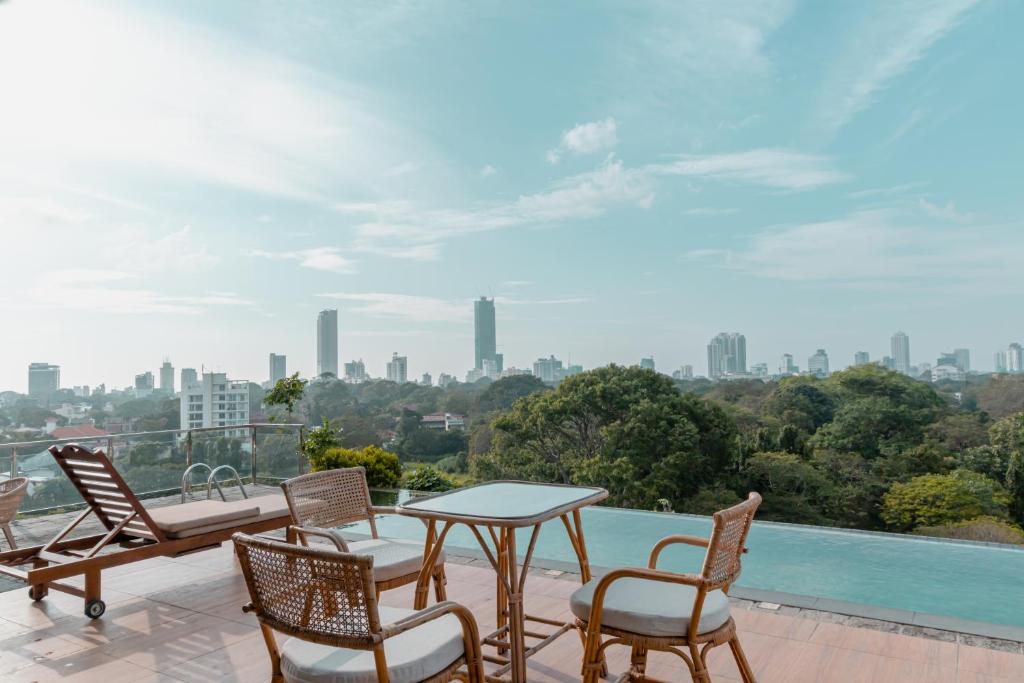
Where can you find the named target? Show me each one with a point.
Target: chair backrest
(731, 526)
(315, 594)
(11, 493)
(330, 498)
(105, 491)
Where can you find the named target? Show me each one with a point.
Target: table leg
(431, 551)
(516, 620)
(501, 603)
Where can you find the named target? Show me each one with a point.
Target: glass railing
(153, 463)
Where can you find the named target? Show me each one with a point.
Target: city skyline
(815, 176)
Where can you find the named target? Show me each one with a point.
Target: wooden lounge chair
(651, 609)
(11, 493)
(327, 601)
(131, 532)
(321, 502)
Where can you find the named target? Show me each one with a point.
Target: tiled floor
(180, 620)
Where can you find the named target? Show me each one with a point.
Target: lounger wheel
(37, 593)
(94, 609)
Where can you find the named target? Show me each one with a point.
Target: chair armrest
(383, 509)
(304, 532)
(470, 632)
(605, 582)
(652, 563)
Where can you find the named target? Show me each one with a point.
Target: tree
(287, 392)
(793, 489)
(802, 402)
(933, 499)
(1007, 435)
(382, 467)
(501, 395)
(427, 479)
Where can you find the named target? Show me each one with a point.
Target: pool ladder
(211, 480)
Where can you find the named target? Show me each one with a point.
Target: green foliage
(709, 501)
(987, 529)
(427, 479)
(383, 469)
(287, 392)
(801, 402)
(793, 489)
(935, 499)
(502, 394)
(320, 440)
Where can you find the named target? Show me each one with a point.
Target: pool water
(970, 581)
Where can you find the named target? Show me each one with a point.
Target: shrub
(988, 529)
(382, 467)
(428, 479)
(319, 441)
(938, 499)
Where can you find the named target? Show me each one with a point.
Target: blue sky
(196, 180)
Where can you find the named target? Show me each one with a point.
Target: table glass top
(505, 500)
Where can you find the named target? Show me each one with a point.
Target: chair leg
(746, 673)
(9, 536)
(440, 581)
(699, 673)
(638, 660)
(603, 671)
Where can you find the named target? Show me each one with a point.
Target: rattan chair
(321, 502)
(649, 609)
(12, 491)
(327, 601)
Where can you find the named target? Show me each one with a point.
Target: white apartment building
(398, 368)
(215, 401)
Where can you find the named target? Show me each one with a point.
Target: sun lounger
(132, 532)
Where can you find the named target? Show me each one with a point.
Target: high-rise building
(490, 369)
(787, 366)
(485, 340)
(861, 358)
(398, 368)
(727, 354)
(963, 359)
(188, 378)
(214, 401)
(278, 368)
(759, 370)
(144, 384)
(817, 364)
(1000, 361)
(355, 371)
(43, 380)
(684, 372)
(900, 344)
(327, 342)
(167, 378)
(1015, 358)
(647, 363)
(427, 380)
(548, 369)
(444, 380)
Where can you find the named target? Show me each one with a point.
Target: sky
(195, 181)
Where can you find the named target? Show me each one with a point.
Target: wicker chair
(321, 502)
(650, 609)
(11, 493)
(327, 601)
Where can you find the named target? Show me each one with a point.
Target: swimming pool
(970, 581)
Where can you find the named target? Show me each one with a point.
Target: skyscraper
(485, 339)
(355, 371)
(167, 378)
(787, 366)
(144, 383)
(900, 344)
(548, 369)
(327, 342)
(1000, 361)
(278, 368)
(188, 378)
(861, 358)
(817, 364)
(727, 354)
(647, 363)
(43, 379)
(398, 368)
(1015, 358)
(963, 359)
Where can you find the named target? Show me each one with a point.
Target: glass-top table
(499, 508)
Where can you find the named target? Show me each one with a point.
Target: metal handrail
(186, 482)
(128, 435)
(212, 479)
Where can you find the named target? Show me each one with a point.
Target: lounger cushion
(192, 519)
(392, 558)
(651, 608)
(412, 656)
(271, 506)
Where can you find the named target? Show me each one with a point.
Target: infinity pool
(970, 581)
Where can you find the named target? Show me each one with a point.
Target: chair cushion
(392, 558)
(190, 519)
(651, 608)
(271, 506)
(411, 656)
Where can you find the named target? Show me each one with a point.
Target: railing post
(14, 463)
(302, 445)
(252, 454)
(188, 460)
(110, 448)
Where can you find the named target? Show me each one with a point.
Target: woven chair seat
(413, 656)
(651, 608)
(392, 558)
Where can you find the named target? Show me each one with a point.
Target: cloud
(507, 301)
(885, 191)
(709, 211)
(517, 283)
(316, 258)
(887, 43)
(585, 138)
(771, 167)
(487, 171)
(947, 213)
(408, 307)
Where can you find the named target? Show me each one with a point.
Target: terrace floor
(181, 620)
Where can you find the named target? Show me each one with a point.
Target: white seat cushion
(191, 519)
(651, 608)
(392, 558)
(412, 656)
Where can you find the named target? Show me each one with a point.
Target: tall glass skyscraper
(900, 344)
(327, 342)
(485, 338)
(727, 354)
